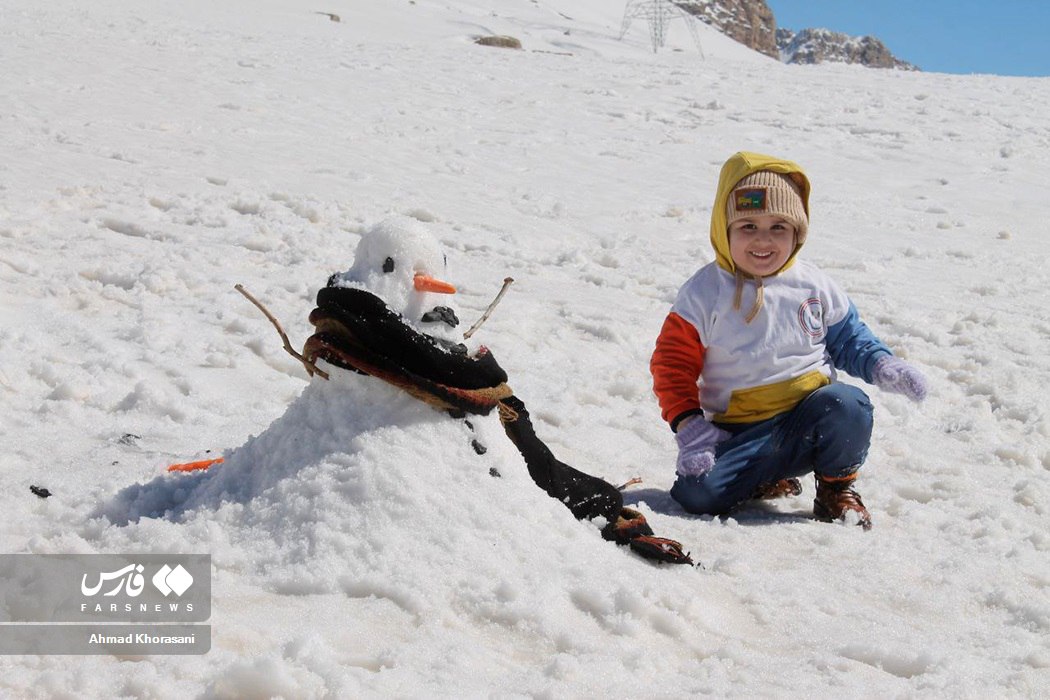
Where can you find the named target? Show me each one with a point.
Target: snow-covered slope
(157, 154)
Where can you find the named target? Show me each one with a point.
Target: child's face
(761, 244)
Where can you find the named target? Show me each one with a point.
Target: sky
(1007, 37)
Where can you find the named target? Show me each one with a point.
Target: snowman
(391, 316)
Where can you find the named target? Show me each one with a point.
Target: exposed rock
(826, 46)
(750, 22)
(503, 42)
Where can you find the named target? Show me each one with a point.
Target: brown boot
(836, 497)
(777, 489)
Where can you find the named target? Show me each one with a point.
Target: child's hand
(896, 375)
(697, 439)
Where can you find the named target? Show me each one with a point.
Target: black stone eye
(388, 265)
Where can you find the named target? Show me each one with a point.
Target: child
(764, 333)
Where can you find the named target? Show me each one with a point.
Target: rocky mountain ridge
(826, 46)
(752, 23)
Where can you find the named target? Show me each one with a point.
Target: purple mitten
(896, 375)
(696, 446)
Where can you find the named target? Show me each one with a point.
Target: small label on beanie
(753, 199)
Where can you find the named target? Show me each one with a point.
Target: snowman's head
(401, 262)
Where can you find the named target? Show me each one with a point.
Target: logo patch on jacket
(811, 317)
(753, 199)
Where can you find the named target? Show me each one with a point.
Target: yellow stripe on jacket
(763, 402)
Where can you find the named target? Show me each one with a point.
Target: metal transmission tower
(658, 13)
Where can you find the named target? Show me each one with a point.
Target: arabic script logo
(169, 580)
(129, 578)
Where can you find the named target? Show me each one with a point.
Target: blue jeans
(828, 433)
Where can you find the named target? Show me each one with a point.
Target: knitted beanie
(766, 192)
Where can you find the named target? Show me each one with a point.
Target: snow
(157, 154)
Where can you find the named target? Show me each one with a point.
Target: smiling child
(745, 365)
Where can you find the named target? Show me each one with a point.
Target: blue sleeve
(853, 347)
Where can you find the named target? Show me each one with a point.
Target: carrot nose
(426, 283)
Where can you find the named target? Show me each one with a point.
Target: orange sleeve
(675, 366)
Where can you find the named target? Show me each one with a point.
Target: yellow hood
(739, 166)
